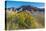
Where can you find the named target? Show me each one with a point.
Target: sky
(17, 4)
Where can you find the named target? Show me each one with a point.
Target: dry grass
(23, 20)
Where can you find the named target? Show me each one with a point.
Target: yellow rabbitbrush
(25, 20)
(21, 20)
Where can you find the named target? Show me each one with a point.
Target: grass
(23, 20)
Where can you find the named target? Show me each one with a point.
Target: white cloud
(41, 7)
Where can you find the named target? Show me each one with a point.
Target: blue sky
(17, 4)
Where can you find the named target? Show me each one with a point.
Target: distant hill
(28, 8)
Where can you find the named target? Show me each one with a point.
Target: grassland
(23, 20)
